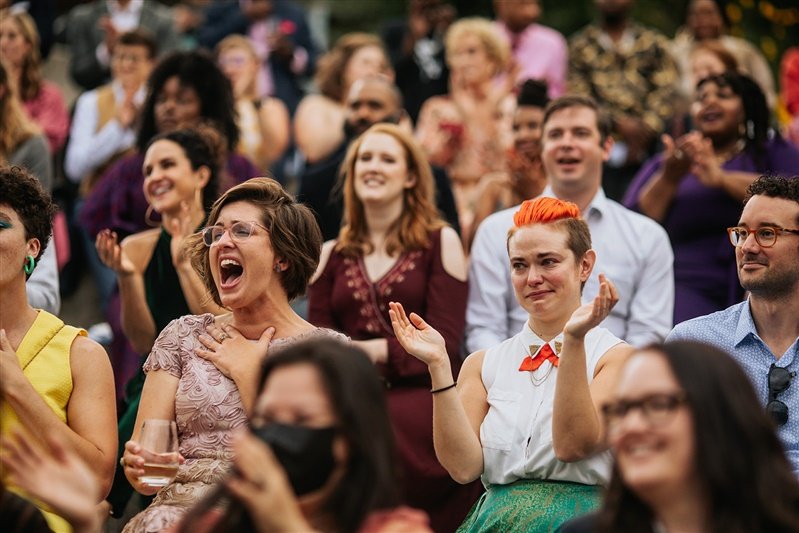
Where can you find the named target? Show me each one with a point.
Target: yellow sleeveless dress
(44, 357)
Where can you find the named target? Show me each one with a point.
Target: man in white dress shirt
(632, 250)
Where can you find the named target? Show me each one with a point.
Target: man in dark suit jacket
(92, 30)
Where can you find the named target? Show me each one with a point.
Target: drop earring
(30, 264)
(277, 268)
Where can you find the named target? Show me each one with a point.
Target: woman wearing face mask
(694, 450)
(523, 414)
(329, 465)
(695, 188)
(257, 253)
(394, 246)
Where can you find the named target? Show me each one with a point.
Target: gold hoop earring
(148, 218)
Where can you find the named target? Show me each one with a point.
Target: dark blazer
(84, 35)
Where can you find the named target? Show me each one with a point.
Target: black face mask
(306, 454)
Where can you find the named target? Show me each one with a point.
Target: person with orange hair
(527, 425)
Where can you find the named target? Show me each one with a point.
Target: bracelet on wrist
(442, 389)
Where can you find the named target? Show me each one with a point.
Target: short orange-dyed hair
(562, 215)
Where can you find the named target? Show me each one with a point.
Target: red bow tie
(531, 364)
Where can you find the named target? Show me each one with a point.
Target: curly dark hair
(756, 112)
(293, 232)
(25, 195)
(533, 93)
(736, 446)
(775, 187)
(198, 71)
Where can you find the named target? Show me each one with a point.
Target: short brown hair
(293, 231)
(330, 70)
(140, 37)
(603, 122)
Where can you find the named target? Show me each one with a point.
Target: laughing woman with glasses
(257, 253)
(694, 450)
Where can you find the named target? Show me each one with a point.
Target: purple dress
(706, 279)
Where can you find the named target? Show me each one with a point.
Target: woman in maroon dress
(395, 247)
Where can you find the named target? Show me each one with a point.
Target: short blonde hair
(495, 46)
(235, 42)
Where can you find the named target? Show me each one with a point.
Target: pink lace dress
(208, 409)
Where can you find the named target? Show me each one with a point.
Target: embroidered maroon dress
(345, 299)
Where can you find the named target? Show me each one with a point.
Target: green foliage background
(773, 25)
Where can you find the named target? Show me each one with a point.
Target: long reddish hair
(419, 214)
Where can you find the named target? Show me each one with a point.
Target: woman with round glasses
(696, 185)
(257, 253)
(156, 281)
(694, 450)
(523, 415)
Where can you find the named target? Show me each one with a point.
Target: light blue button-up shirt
(733, 330)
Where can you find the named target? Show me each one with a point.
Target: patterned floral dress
(208, 410)
(345, 299)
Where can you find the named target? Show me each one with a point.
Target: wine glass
(159, 442)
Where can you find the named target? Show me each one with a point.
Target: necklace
(538, 381)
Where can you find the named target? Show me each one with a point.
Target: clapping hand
(706, 165)
(55, 475)
(416, 336)
(179, 227)
(111, 253)
(591, 314)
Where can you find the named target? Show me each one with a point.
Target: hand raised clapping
(591, 314)
(418, 337)
(111, 253)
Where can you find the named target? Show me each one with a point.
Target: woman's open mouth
(230, 272)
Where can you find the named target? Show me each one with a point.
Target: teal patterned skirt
(530, 505)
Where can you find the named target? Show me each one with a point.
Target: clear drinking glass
(159, 442)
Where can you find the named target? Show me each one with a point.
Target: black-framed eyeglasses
(779, 379)
(657, 409)
(238, 232)
(766, 236)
